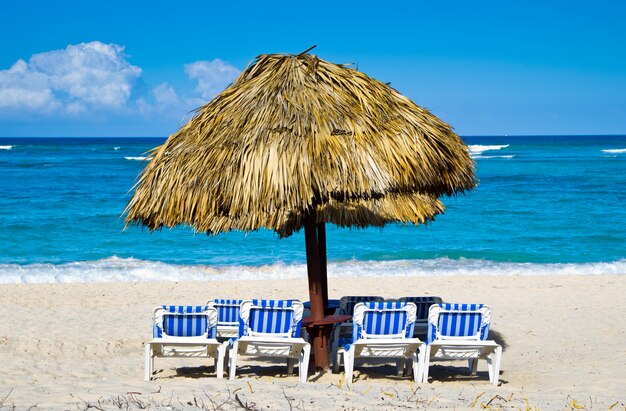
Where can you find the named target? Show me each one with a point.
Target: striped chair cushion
(347, 303)
(272, 303)
(422, 304)
(185, 308)
(184, 321)
(383, 318)
(227, 311)
(459, 320)
(271, 320)
(271, 316)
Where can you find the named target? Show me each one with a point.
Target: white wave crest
(615, 151)
(6, 147)
(139, 158)
(483, 157)
(116, 148)
(479, 149)
(116, 269)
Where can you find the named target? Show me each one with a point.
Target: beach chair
(348, 302)
(423, 304)
(227, 317)
(383, 330)
(184, 331)
(271, 328)
(342, 332)
(332, 306)
(460, 332)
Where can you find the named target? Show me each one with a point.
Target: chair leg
(149, 362)
(303, 366)
(337, 355)
(290, 364)
(337, 362)
(472, 364)
(226, 349)
(417, 368)
(232, 360)
(421, 359)
(426, 364)
(408, 367)
(493, 362)
(335, 348)
(219, 361)
(348, 364)
(400, 366)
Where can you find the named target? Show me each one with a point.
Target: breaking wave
(477, 150)
(116, 269)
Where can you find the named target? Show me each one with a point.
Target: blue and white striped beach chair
(342, 332)
(184, 331)
(383, 330)
(423, 304)
(227, 316)
(348, 302)
(271, 328)
(460, 332)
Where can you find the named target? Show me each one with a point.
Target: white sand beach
(76, 346)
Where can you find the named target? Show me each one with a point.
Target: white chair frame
(271, 344)
(184, 347)
(470, 348)
(396, 346)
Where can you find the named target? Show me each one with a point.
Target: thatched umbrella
(297, 142)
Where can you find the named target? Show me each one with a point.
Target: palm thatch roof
(293, 134)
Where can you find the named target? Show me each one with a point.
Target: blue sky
(137, 68)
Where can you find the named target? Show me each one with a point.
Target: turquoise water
(546, 204)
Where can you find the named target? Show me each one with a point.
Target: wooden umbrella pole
(319, 332)
(313, 267)
(321, 242)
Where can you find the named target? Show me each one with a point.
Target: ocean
(546, 205)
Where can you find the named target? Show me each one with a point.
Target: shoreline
(562, 339)
(130, 270)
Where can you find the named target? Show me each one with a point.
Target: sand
(79, 346)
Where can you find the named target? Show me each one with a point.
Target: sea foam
(615, 151)
(477, 150)
(6, 147)
(116, 269)
(137, 158)
(485, 157)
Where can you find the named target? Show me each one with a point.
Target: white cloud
(96, 81)
(165, 95)
(212, 76)
(78, 78)
(22, 88)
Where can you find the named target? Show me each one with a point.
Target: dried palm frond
(295, 133)
(403, 208)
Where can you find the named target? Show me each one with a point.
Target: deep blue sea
(545, 205)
